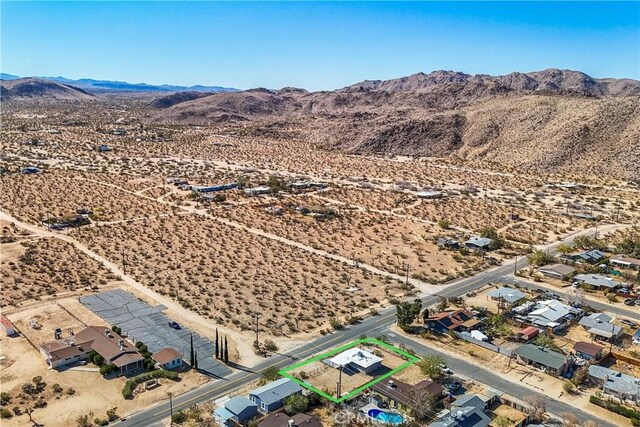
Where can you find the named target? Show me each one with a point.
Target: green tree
(226, 351)
(497, 326)
(270, 374)
(195, 360)
(491, 233)
(502, 421)
(407, 312)
(431, 366)
(274, 183)
(217, 345)
(296, 404)
(546, 341)
(242, 181)
(191, 354)
(564, 248)
(539, 258)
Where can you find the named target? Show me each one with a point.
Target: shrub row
(127, 390)
(616, 407)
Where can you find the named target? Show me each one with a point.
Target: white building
(355, 359)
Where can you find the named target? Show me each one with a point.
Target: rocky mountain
(101, 86)
(551, 120)
(39, 89)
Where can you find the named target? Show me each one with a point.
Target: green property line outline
(412, 359)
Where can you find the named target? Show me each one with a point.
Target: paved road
(485, 376)
(371, 326)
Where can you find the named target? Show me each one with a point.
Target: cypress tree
(217, 345)
(195, 365)
(191, 355)
(226, 351)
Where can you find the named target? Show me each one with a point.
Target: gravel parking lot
(142, 322)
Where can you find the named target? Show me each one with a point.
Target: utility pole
(515, 266)
(171, 408)
(124, 262)
(406, 282)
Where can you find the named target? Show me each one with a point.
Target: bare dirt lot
(82, 388)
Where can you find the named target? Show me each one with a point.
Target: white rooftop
(355, 355)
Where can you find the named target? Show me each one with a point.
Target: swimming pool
(385, 417)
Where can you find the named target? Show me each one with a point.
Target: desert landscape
(288, 215)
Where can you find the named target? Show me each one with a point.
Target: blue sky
(314, 45)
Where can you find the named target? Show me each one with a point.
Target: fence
(497, 349)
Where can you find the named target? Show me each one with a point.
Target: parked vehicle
(630, 302)
(175, 325)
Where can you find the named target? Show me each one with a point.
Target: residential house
(280, 419)
(600, 326)
(213, 188)
(400, 395)
(478, 243)
(448, 243)
(467, 411)
(588, 351)
(272, 396)
(168, 359)
(256, 191)
(429, 194)
(7, 326)
(355, 359)
(624, 261)
(111, 346)
(552, 314)
(552, 362)
(622, 386)
(507, 296)
(303, 185)
(528, 333)
(598, 281)
(237, 410)
(591, 256)
(457, 320)
(557, 271)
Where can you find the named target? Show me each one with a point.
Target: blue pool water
(385, 417)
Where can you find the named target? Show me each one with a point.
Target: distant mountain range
(546, 121)
(115, 86)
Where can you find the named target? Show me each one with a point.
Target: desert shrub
(336, 324)
(56, 388)
(112, 414)
(5, 413)
(130, 385)
(71, 391)
(270, 345)
(107, 369)
(179, 417)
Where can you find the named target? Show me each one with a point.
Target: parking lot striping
(412, 359)
(149, 325)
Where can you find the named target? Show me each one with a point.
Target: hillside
(546, 121)
(39, 89)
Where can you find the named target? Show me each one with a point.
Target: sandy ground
(93, 393)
